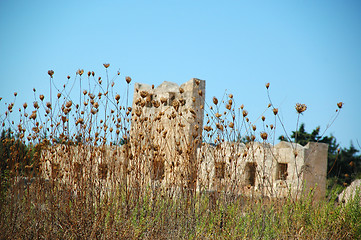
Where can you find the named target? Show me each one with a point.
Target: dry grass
(74, 168)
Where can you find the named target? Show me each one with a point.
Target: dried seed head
(89, 73)
(230, 96)
(36, 105)
(106, 65)
(264, 136)
(68, 77)
(254, 127)
(300, 108)
(242, 106)
(93, 73)
(231, 124)
(197, 81)
(15, 94)
(33, 115)
(41, 97)
(208, 128)
(219, 126)
(163, 100)
(200, 92)
(263, 118)
(68, 104)
(80, 72)
(48, 105)
(85, 92)
(269, 105)
(181, 90)
(143, 94)
(182, 101)
(51, 73)
(275, 111)
(245, 113)
(340, 105)
(175, 104)
(215, 100)
(253, 137)
(10, 107)
(25, 105)
(267, 85)
(128, 79)
(271, 126)
(117, 97)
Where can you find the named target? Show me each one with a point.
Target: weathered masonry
(165, 149)
(258, 169)
(168, 120)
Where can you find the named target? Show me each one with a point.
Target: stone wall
(165, 148)
(258, 169)
(168, 120)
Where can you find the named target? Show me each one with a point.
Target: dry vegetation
(94, 196)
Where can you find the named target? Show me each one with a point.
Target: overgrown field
(50, 211)
(86, 198)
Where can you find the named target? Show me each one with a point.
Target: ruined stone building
(166, 149)
(259, 169)
(168, 120)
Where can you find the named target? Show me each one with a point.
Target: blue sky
(310, 51)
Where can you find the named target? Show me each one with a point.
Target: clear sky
(310, 51)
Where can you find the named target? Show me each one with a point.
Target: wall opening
(220, 169)
(149, 100)
(55, 170)
(282, 171)
(171, 98)
(250, 172)
(103, 171)
(78, 169)
(157, 170)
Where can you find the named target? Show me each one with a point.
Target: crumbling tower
(167, 124)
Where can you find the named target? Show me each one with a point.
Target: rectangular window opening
(103, 171)
(149, 100)
(282, 171)
(171, 98)
(55, 170)
(78, 169)
(158, 170)
(251, 174)
(220, 169)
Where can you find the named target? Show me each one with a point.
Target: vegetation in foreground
(51, 212)
(34, 207)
